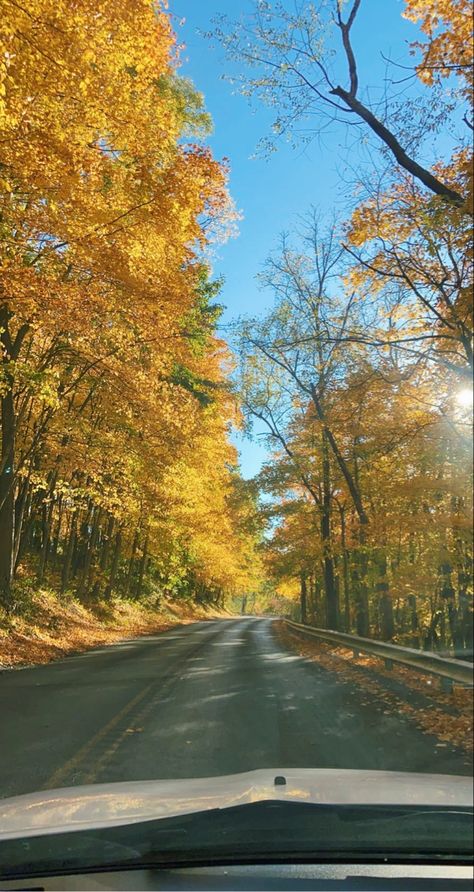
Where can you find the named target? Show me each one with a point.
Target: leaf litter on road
(449, 716)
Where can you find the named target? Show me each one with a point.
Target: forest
(116, 402)
(118, 477)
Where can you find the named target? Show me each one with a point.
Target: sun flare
(464, 398)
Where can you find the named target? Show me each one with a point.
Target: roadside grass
(46, 626)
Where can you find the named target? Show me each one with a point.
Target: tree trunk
(71, 544)
(414, 621)
(311, 600)
(142, 568)
(57, 535)
(131, 565)
(21, 511)
(449, 595)
(7, 499)
(87, 574)
(332, 605)
(455, 629)
(387, 626)
(349, 477)
(26, 538)
(46, 532)
(47, 512)
(104, 557)
(465, 611)
(345, 571)
(303, 598)
(84, 530)
(10, 351)
(115, 565)
(359, 579)
(317, 603)
(22, 529)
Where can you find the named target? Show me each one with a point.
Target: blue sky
(271, 194)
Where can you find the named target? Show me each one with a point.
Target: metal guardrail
(446, 668)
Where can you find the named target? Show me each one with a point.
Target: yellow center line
(106, 756)
(139, 717)
(57, 778)
(95, 765)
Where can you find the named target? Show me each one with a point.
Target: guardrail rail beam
(447, 668)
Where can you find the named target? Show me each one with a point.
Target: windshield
(236, 429)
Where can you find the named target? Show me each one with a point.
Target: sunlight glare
(464, 398)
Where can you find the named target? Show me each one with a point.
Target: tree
(355, 371)
(302, 62)
(298, 366)
(422, 256)
(113, 382)
(397, 439)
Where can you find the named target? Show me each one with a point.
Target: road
(199, 700)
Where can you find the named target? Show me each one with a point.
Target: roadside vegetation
(48, 626)
(118, 479)
(448, 716)
(360, 376)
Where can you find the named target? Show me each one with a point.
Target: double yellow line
(58, 777)
(98, 759)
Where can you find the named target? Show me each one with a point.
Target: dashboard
(260, 877)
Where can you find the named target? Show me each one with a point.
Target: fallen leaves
(449, 717)
(59, 628)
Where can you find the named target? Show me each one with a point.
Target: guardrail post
(355, 653)
(388, 664)
(447, 685)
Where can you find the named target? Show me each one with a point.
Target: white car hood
(107, 805)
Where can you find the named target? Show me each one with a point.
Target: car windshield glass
(236, 405)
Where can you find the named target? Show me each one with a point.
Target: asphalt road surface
(200, 700)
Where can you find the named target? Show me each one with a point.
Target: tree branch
(404, 160)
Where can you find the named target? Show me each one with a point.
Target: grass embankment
(416, 696)
(47, 626)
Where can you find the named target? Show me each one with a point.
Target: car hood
(108, 805)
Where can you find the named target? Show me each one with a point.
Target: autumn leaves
(116, 470)
(354, 374)
(114, 402)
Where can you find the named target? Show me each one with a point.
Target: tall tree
(112, 378)
(301, 61)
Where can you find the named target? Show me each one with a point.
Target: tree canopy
(116, 406)
(360, 375)
(118, 395)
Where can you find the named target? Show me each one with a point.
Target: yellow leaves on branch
(449, 48)
(107, 210)
(92, 118)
